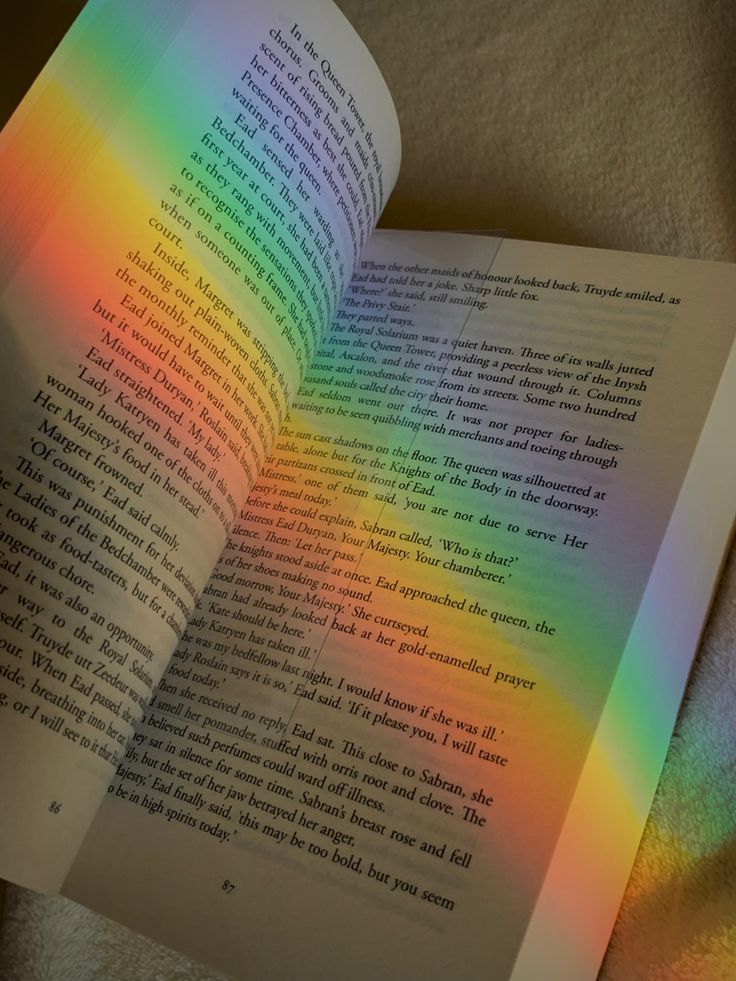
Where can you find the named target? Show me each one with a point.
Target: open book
(350, 580)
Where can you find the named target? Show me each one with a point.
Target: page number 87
(228, 886)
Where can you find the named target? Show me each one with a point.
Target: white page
(543, 608)
(183, 213)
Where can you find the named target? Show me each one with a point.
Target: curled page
(189, 186)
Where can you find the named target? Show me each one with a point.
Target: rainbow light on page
(118, 295)
(535, 779)
(113, 112)
(626, 752)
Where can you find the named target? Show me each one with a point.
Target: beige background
(606, 123)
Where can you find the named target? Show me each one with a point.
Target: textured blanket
(605, 123)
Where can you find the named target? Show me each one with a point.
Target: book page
(190, 185)
(363, 752)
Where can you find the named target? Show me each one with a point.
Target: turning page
(188, 187)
